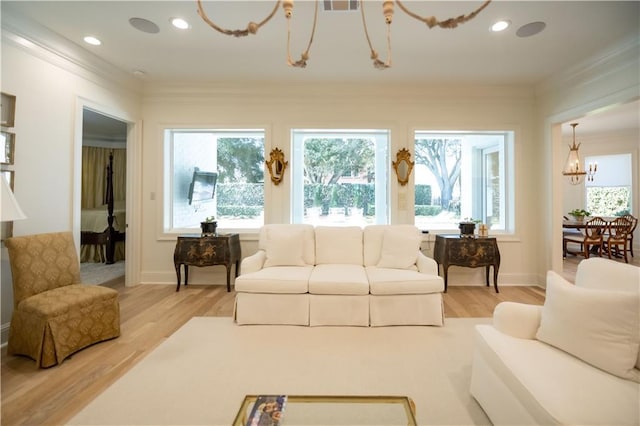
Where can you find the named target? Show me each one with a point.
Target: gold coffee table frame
(405, 402)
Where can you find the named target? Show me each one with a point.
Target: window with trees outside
(464, 175)
(609, 193)
(340, 177)
(235, 196)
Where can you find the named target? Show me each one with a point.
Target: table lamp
(9, 208)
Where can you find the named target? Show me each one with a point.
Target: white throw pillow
(284, 249)
(598, 326)
(399, 250)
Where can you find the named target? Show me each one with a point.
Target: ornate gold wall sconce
(403, 166)
(276, 165)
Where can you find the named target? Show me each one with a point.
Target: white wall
(47, 101)
(279, 109)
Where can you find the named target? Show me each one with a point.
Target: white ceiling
(469, 54)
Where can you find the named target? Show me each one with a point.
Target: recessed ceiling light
(92, 41)
(179, 23)
(500, 26)
(530, 29)
(144, 25)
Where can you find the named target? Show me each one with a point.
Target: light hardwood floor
(149, 315)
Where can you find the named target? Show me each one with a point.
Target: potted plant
(579, 214)
(468, 227)
(209, 225)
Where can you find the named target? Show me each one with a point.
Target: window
(464, 175)
(340, 177)
(213, 173)
(609, 193)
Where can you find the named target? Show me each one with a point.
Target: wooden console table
(198, 250)
(470, 252)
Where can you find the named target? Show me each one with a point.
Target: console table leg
(178, 275)
(228, 278)
(495, 278)
(446, 269)
(487, 274)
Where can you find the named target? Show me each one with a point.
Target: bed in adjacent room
(103, 226)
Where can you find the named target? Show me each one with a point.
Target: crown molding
(47, 45)
(598, 67)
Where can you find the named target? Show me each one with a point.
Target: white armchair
(574, 360)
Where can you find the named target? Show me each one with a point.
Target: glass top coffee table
(290, 410)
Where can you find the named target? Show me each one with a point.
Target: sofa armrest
(517, 319)
(253, 263)
(426, 265)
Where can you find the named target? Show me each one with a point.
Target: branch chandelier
(387, 11)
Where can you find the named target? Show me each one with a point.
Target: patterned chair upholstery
(53, 314)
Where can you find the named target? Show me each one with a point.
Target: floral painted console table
(199, 250)
(471, 252)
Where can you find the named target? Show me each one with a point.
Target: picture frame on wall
(7, 109)
(8, 141)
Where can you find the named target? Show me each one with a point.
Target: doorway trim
(134, 128)
(553, 134)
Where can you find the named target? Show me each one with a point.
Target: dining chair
(634, 225)
(592, 237)
(616, 241)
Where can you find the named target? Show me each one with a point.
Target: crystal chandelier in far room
(572, 168)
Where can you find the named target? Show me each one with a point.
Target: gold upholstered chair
(53, 314)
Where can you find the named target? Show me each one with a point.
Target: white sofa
(305, 275)
(573, 361)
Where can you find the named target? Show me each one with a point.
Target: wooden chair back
(619, 229)
(594, 230)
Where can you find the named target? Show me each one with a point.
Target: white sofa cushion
(284, 249)
(597, 326)
(607, 274)
(553, 386)
(399, 250)
(373, 237)
(308, 237)
(277, 279)
(397, 281)
(338, 279)
(338, 245)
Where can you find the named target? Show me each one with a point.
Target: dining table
(570, 227)
(582, 224)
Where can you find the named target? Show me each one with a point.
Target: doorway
(104, 171)
(612, 133)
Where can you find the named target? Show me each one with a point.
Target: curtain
(94, 175)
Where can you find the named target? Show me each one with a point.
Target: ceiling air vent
(341, 4)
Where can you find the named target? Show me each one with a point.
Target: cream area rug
(200, 374)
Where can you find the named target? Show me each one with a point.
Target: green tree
(442, 156)
(326, 160)
(240, 160)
